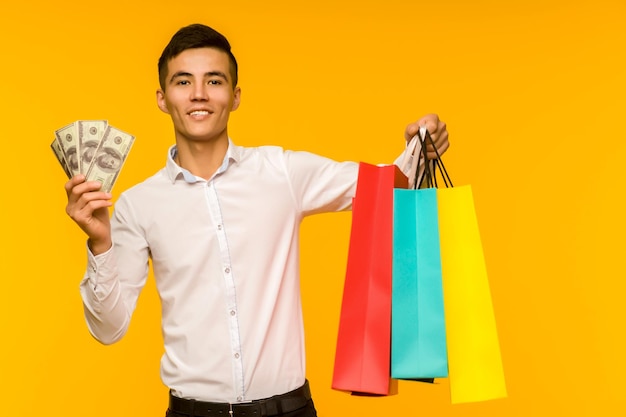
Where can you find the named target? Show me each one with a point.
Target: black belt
(278, 404)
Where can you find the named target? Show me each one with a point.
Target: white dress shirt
(225, 260)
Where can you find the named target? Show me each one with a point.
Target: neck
(202, 159)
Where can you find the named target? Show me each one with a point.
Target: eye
(183, 82)
(215, 82)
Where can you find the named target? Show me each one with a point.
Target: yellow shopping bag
(475, 365)
(475, 368)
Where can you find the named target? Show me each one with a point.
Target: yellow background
(533, 94)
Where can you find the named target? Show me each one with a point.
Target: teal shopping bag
(418, 331)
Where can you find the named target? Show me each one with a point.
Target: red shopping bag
(362, 357)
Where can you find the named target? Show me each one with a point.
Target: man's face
(110, 161)
(199, 94)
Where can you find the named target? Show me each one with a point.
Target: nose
(200, 92)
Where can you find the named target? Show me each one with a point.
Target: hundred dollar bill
(58, 152)
(90, 134)
(109, 157)
(68, 139)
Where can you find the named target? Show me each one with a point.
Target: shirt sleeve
(320, 184)
(404, 162)
(323, 185)
(114, 279)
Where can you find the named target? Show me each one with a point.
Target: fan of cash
(93, 148)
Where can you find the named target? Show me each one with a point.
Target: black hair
(195, 36)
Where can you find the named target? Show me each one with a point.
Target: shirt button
(219, 227)
(240, 398)
(232, 312)
(236, 355)
(227, 270)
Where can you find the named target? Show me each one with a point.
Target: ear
(236, 99)
(160, 96)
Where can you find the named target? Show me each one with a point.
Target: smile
(199, 113)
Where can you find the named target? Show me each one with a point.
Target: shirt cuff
(402, 160)
(101, 269)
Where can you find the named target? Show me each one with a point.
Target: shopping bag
(475, 365)
(362, 356)
(418, 330)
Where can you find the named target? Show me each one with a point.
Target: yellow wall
(533, 93)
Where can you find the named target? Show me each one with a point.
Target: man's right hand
(89, 208)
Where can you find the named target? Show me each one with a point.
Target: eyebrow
(180, 74)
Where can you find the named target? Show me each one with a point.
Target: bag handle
(430, 172)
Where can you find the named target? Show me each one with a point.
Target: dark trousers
(306, 411)
(296, 403)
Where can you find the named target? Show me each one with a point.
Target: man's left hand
(437, 130)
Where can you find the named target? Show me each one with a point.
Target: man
(220, 223)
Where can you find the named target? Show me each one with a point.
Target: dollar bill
(110, 156)
(68, 140)
(58, 152)
(90, 133)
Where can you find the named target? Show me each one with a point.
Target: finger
(81, 196)
(441, 146)
(86, 198)
(438, 137)
(73, 182)
(82, 211)
(411, 130)
(92, 206)
(430, 121)
(81, 188)
(78, 186)
(440, 131)
(441, 149)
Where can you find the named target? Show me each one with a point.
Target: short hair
(195, 36)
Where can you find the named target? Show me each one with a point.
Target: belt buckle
(246, 409)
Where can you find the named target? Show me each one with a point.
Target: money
(90, 134)
(93, 148)
(58, 152)
(109, 157)
(68, 140)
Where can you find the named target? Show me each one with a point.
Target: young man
(220, 223)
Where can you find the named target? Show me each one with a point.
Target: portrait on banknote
(109, 160)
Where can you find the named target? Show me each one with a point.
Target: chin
(208, 137)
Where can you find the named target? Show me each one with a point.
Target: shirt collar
(174, 171)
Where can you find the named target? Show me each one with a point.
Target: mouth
(199, 113)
